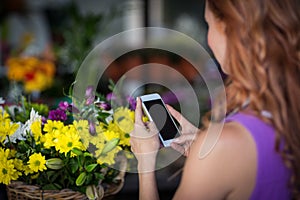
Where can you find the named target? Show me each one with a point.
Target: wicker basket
(21, 191)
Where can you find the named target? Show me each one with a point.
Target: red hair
(263, 60)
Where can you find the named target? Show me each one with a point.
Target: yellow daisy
(124, 118)
(82, 128)
(37, 162)
(7, 172)
(36, 128)
(108, 158)
(7, 129)
(51, 139)
(53, 125)
(4, 115)
(68, 141)
(28, 170)
(19, 164)
(109, 135)
(124, 136)
(81, 125)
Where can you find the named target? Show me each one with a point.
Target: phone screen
(161, 118)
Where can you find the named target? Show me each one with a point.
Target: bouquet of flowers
(34, 73)
(66, 147)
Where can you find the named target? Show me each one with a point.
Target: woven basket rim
(23, 191)
(19, 189)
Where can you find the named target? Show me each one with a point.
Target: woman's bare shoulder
(226, 169)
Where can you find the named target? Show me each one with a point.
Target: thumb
(138, 112)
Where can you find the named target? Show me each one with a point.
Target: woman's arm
(147, 180)
(147, 186)
(227, 172)
(145, 144)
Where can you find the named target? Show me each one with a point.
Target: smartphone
(155, 109)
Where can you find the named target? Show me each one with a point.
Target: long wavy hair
(263, 61)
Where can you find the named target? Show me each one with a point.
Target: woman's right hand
(188, 133)
(144, 141)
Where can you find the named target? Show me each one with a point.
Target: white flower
(2, 101)
(23, 129)
(20, 134)
(34, 116)
(110, 117)
(13, 109)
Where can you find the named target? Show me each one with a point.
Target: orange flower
(36, 74)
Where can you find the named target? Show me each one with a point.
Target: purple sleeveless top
(272, 176)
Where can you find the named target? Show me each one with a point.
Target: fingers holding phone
(155, 109)
(143, 139)
(188, 133)
(183, 143)
(185, 125)
(161, 122)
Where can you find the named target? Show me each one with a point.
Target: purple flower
(92, 128)
(89, 95)
(89, 101)
(132, 102)
(111, 96)
(89, 91)
(63, 105)
(103, 105)
(58, 115)
(44, 120)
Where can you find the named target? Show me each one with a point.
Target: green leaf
(87, 154)
(89, 178)
(54, 163)
(78, 152)
(99, 176)
(74, 166)
(110, 145)
(91, 192)
(91, 167)
(81, 179)
(80, 161)
(52, 175)
(102, 115)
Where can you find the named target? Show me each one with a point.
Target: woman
(258, 153)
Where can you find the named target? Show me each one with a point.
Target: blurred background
(43, 43)
(62, 32)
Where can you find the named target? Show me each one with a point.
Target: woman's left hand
(144, 141)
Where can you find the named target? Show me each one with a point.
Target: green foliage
(22, 113)
(80, 32)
